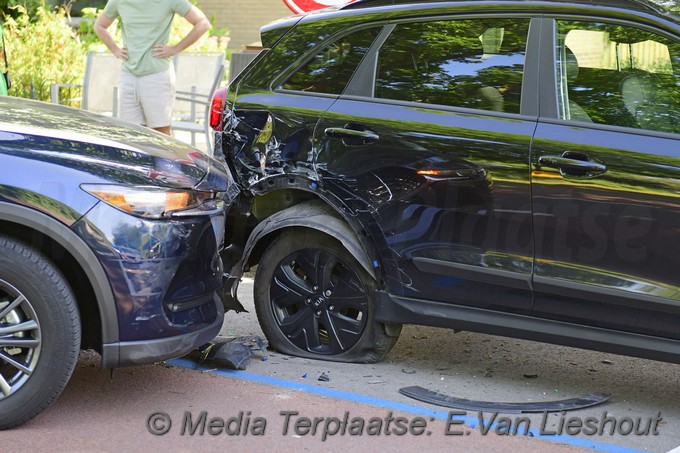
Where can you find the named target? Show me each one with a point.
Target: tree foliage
(73, 7)
(41, 52)
(673, 5)
(30, 7)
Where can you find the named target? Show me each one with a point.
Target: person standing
(147, 81)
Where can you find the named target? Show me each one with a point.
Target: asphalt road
(484, 367)
(97, 414)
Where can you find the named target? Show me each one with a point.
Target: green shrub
(213, 41)
(30, 7)
(73, 7)
(42, 52)
(77, 6)
(88, 37)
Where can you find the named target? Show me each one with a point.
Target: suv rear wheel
(39, 333)
(313, 299)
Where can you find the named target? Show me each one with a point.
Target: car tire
(313, 299)
(39, 333)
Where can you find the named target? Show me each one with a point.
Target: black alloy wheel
(314, 299)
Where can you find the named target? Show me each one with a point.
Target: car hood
(106, 146)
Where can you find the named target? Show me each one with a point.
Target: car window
(618, 75)
(330, 69)
(471, 63)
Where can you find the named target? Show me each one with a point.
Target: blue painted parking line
(471, 422)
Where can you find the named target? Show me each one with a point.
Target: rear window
(330, 70)
(618, 75)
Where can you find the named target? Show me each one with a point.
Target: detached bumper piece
(231, 354)
(439, 399)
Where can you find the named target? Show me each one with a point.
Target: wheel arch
(65, 248)
(315, 214)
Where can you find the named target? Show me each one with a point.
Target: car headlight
(156, 202)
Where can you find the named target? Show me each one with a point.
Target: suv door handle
(341, 132)
(573, 167)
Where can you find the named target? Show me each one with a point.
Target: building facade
(243, 18)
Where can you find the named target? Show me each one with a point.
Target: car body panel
(606, 243)
(156, 282)
(69, 124)
(440, 228)
(152, 266)
(464, 225)
(96, 149)
(613, 236)
(35, 220)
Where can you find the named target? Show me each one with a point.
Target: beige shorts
(147, 100)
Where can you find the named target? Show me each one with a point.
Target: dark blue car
(109, 239)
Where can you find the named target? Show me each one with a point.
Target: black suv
(508, 167)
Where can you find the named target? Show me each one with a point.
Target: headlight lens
(148, 202)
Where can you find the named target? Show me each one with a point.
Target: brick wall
(243, 17)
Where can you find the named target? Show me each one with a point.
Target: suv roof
(646, 6)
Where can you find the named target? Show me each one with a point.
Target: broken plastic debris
(232, 354)
(440, 399)
(324, 377)
(304, 376)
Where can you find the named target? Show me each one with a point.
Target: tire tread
(374, 344)
(50, 276)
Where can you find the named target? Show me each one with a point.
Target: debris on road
(439, 399)
(231, 354)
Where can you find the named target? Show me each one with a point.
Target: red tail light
(216, 108)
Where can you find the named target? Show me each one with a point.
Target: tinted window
(330, 69)
(618, 75)
(462, 63)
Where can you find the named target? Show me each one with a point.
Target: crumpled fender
(313, 214)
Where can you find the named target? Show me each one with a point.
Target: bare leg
(165, 130)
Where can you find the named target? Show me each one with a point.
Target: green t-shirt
(145, 24)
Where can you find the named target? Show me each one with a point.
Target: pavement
(274, 404)
(96, 413)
